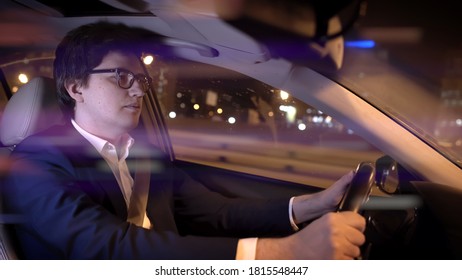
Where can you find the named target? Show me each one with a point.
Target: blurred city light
(231, 120)
(172, 115)
(290, 111)
(23, 78)
(361, 44)
(318, 119)
(148, 59)
(284, 95)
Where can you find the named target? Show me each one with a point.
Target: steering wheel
(357, 194)
(359, 189)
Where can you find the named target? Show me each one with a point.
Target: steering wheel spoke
(359, 189)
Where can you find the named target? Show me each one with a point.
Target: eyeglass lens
(126, 80)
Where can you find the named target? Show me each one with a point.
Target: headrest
(33, 108)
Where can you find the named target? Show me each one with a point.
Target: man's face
(106, 109)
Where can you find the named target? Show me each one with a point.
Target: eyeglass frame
(145, 81)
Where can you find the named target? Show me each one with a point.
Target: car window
(224, 119)
(19, 68)
(221, 118)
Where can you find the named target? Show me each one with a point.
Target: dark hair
(84, 48)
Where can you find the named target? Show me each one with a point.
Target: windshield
(411, 70)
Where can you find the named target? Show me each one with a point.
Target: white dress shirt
(117, 164)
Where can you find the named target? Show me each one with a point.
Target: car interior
(407, 233)
(33, 109)
(407, 217)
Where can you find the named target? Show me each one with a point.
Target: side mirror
(386, 175)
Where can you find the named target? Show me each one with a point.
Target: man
(76, 185)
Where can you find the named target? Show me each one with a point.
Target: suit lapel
(97, 180)
(94, 175)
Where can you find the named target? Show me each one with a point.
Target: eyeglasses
(125, 78)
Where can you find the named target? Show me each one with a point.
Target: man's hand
(333, 236)
(311, 206)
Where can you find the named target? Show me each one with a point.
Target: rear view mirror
(304, 32)
(308, 18)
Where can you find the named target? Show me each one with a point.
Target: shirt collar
(100, 144)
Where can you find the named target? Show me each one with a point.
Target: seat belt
(139, 197)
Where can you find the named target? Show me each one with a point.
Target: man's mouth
(133, 106)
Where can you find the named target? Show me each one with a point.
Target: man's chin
(129, 126)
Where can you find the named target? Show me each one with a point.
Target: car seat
(33, 108)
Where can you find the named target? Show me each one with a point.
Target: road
(305, 164)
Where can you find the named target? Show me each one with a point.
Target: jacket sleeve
(199, 210)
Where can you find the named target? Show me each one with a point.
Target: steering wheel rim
(359, 189)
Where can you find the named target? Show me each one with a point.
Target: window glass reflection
(221, 118)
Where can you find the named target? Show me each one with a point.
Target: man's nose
(137, 89)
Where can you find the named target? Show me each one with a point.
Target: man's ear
(74, 88)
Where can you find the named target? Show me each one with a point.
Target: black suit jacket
(73, 207)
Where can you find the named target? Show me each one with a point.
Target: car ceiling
(42, 23)
(14, 16)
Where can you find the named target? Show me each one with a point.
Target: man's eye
(124, 78)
